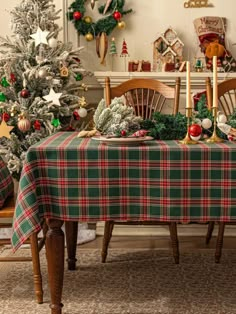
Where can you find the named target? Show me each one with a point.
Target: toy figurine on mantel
(124, 52)
(211, 34)
(112, 16)
(168, 52)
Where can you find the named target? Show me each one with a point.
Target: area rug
(131, 282)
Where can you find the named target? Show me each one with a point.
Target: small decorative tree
(40, 81)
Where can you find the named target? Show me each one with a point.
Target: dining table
(70, 179)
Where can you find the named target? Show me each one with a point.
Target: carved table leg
(36, 268)
(71, 243)
(55, 258)
(210, 231)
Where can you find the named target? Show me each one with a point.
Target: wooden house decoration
(167, 51)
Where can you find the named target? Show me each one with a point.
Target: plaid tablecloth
(69, 178)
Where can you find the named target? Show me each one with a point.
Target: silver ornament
(52, 42)
(42, 73)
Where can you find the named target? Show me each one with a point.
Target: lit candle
(215, 86)
(188, 86)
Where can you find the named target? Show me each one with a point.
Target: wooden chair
(226, 104)
(6, 212)
(226, 95)
(145, 96)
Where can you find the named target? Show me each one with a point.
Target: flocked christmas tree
(41, 87)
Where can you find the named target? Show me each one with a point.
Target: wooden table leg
(71, 228)
(36, 268)
(55, 246)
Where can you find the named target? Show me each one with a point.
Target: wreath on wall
(112, 11)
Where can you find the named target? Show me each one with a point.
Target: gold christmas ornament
(88, 19)
(89, 37)
(42, 73)
(24, 125)
(64, 72)
(121, 25)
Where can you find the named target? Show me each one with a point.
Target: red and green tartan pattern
(6, 183)
(69, 178)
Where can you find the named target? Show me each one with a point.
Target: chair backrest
(145, 95)
(226, 95)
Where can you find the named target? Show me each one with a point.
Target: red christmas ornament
(195, 130)
(12, 78)
(25, 93)
(76, 115)
(123, 133)
(37, 125)
(5, 117)
(77, 15)
(117, 15)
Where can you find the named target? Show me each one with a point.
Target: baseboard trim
(163, 230)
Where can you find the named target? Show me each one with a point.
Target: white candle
(215, 85)
(188, 86)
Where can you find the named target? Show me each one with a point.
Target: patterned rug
(131, 282)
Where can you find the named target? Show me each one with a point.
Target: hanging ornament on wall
(101, 47)
(117, 15)
(121, 25)
(77, 15)
(107, 6)
(89, 37)
(24, 124)
(92, 4)
(88, 19)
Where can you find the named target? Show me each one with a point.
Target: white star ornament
(40, 37)
(53, 97)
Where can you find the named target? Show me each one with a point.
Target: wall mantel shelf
(198, 79)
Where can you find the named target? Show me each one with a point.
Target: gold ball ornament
(121, 24)
(88, 19)
(24, 125)
(89, 37)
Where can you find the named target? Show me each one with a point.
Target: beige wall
(150, 18)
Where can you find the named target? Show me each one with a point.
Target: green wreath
(84, 24)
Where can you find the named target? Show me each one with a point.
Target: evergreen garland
(105, 24)
(166, 126)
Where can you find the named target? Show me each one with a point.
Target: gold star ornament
(5, 129)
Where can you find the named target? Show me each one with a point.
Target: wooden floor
(185, 243)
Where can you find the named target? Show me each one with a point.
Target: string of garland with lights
(112, 12)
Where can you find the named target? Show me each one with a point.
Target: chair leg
(210, 231)
(219, 242)
(174, 241)
(36, 268)
(109, 225)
